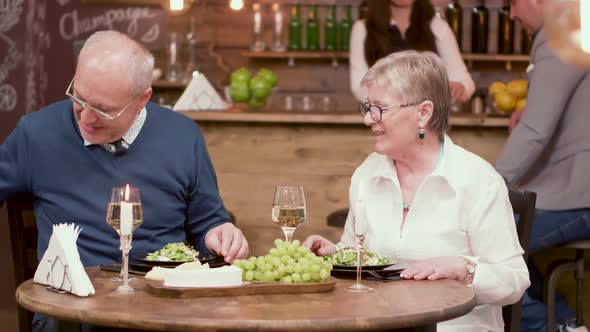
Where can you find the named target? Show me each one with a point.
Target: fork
(375, 275)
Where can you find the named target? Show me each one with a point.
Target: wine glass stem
(125, 248)
(358, 260)
(288, 233)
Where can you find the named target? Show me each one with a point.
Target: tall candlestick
(126, 214)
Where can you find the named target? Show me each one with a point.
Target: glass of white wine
(288, 209)
(360, 227)
(125, 214)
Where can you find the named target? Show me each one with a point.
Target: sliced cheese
(218, 277)
(157, 273)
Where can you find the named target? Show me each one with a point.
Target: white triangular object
(200, 95)
(61, 267)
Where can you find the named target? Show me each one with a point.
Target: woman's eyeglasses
(377, 111)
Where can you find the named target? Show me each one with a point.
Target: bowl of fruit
(508, 97)
(251, 91)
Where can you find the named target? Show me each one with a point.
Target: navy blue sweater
(169, 163)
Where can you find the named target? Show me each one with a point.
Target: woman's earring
(421, 133)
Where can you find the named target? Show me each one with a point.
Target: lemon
(505, 101)
(496, 87)
(520, 104)
(517, 88)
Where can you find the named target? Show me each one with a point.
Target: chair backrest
(23, 240)
(523, 205)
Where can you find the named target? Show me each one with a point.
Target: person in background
(427, 200)
(396, 25)
(70, 154)
(548, 152)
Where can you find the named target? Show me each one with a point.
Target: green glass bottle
(330, 29)
(479, 29)
(313, 29)
(295, 29)
(505, 31)
(454, 14)
(344, 29)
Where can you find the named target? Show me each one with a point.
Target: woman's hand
(319, 245)
(451, 267)
(457, 92)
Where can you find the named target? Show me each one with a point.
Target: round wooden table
(394, 305)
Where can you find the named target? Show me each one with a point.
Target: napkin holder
(200, 95)
(61, 268)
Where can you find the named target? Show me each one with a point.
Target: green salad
(348, 257)
(176, 252)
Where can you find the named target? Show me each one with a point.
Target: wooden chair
(23, 239)
(523, 204)
(554, 271)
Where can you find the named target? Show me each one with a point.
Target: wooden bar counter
(254, 151)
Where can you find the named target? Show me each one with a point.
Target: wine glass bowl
(124, 214)
(288, 209)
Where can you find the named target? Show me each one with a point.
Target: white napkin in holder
(200, 95)
(61, 268)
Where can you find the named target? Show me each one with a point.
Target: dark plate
(365, 267)
(347, 273)
(143, 261)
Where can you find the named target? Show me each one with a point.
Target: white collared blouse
(461, 209)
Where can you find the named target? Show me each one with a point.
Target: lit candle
(236, 4)
(126, 214)
(585, 25)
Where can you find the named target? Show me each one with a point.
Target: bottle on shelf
(479, 29)
(454, 15)
(295, 29)
(277, 33)
(258, 45)
(330, 29)
(174, 70)
(313, 29)
(344, 29)
(505, 31)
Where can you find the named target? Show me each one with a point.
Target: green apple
(260, 87)
(239, 92)
(256, 102)
(269, 76)
(240, 75)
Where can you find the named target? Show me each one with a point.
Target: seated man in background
(548, 152)
(70, 154)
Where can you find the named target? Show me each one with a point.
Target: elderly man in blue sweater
(106, 134)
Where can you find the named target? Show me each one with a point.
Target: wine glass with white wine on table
(125, 214)
(288, 209)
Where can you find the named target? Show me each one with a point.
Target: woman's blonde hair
(414, 77)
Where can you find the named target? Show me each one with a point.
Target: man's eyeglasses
(377, 111)
(102, 113)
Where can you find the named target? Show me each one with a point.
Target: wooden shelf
(342, 118)
(168, 85)
(495, 57)
(296, 55)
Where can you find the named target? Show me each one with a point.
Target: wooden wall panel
(250, 159)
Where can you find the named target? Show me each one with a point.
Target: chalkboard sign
(38, 41)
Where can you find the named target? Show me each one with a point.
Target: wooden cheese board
(156, 287)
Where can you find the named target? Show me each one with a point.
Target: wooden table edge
(123, 320)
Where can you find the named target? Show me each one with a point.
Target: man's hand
(457, 92)
(451, 267)
(515, 118)
(319, 245)
(228, 241)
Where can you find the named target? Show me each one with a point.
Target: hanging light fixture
(236, 4)
(176, 6)
(567, 25)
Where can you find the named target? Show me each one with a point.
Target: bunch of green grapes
(286, 262)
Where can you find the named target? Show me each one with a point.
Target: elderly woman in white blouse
(428, 200)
